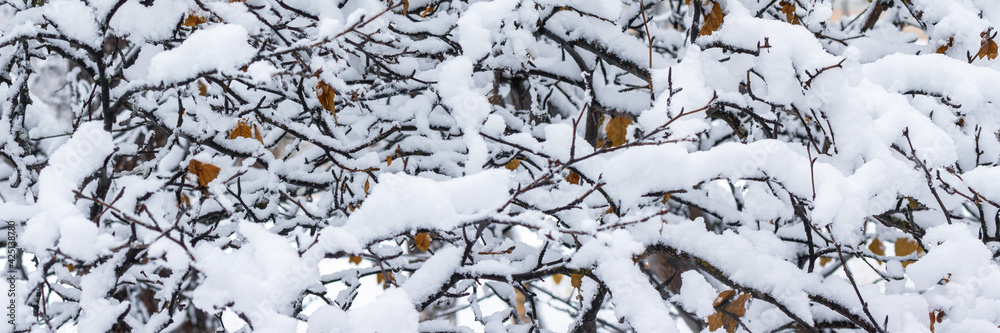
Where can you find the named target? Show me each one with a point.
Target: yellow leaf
(824, 260)
(202, 88)
(422, 241)
(326, 95)
(788, 8)
(666, 197)
(356, 260)
(905, 246)
(204, 171)
(388, 160)
(573, 178)
(576, 280)
(184, 200)
(557, 278)
(713, 21)
(242, 130)
(728, 311)
(617, 129)
(406, 6)
(70, 267)
(513, 164)
(366, 186)
(913, 203)
(193, 20)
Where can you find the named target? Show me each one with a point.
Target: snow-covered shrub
(521, 166)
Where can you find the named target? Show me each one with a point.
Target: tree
(727, 164)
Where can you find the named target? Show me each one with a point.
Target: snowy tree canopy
(501, 166)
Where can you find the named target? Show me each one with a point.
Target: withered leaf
(913, 203)
(256, 134)
(193, 20)
(788, 8)
(241, 130)
(877, 247)
(513, 164)
(557, 278)
(519, 301)
(824, 260)
(728, 311)
(326, 95)
(422, 241)
(713, 21)
(617, 129)
(988, 49)
(944, 48)
(388, 160)
(366, 186)
(427, 11)
(204, 171)
(202, 88)
(905, 246)
(356, 260)
(573, 178)
(385, 279)
(576, 280)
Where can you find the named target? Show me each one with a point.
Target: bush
(523, 166)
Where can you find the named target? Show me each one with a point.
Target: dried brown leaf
(576, 280)
(557, 278)
(204, 171)
(877, 247)
(326, 96)
(788, 8)
(256, 134)
(513, 164)
(202, 88)
(422, 241)
(427, 11)
(356, 260)
(385, 279)
(824, 260)
(944, 48)
(573, 178)
(241, 130)
(519, 301)
(905, 246)
(713, 20)
(193, 20)
(987, 49)
(727, 314)
(617, 129)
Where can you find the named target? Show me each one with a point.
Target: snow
(401, 203)
(766, 156)
(220, 48)
(391, 312)
(61, 222)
